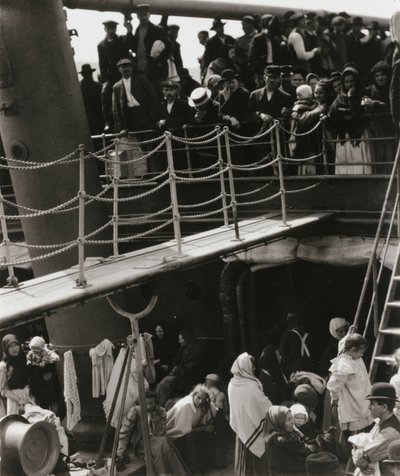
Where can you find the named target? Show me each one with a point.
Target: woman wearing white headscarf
(248, 409)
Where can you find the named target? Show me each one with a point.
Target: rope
(303, 189)
(151, 179)
(39, 213)
(258, 167)
(300, 134)
(247, 139)
(197, 142)
(30, 165)
(200, 179)
(143, 217)
(38, 258)
(43, 247)
(206, 214)
(197, 171)
(202, 204)
(243, 194)
(291, 159)
(131, 237)
(208, 134)
(254, 202)
(128, 199)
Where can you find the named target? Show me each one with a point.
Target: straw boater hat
(199, 97)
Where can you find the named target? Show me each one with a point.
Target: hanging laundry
(102, 364)
(132, 395)
(71, 394)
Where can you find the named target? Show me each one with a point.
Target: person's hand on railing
(123, 133)
(161, 124)
(266, 118)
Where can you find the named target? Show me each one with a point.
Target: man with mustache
(173, 111)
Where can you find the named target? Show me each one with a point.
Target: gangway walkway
(38, 297)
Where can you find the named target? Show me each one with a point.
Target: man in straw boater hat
(371, 449)
(206, 110)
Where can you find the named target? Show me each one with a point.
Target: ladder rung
(384, 358)
(396, 278)
(393, 331)
(394, 303)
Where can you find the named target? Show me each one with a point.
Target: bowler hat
(173, 27)
(286, 70)
(382, 391)
(323, 463)
(272, 70)
(228, 75)
(217, 22)
(393, 453)
(199, 97)
(86, 69)
(123, 61)
(169, 84)
(110, 22)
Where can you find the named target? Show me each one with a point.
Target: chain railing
(218, 143)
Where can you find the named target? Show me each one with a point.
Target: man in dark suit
(134, 100)
(91, 93)
(151, 46)
(269, 102)
(173, 31)
(214, 44)
(110, 51)
(264, 48)
(173, 112)
(233, 99)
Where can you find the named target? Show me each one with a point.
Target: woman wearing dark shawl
(273, 381)
(286, 447)
(248, 408)
(14, 375)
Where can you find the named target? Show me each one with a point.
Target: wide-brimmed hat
(228, 75)
(382, 391)
(217, 22)
(199, 97)
(323, 463)
(86, 69)
(123, 61)
(393, 453)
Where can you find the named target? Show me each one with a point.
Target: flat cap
(123, 61)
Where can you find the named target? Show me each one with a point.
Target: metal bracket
(9, 108)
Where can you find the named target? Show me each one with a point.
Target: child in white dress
(349, 384)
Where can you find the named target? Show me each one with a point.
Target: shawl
(71, 395)
(248, 405)
(16, 367)
(183, 417)
(275, 422)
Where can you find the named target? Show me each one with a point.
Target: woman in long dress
(248, 409)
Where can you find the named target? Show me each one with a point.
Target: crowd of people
(298, 68)
(289, 412)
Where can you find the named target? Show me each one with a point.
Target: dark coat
(287, 453)
(258, 102)
(176, 53)
(236, 105)
(188, 84)
(110, 52)
(211, 114)
(91, 93)
(181, 113)
(157, 68)
(259, 52)
(144, 93)
(212, 49)
(355, 49)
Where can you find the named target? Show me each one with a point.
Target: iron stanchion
(231, 183)
(324, 150)
(115, 181)
(174, 195)
(187, 149)
(280, 171)
(12, 280)
(81, 280)
(221, 177)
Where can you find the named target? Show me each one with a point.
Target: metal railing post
(81, 280)
(231, 183)
(398, 192)
(12, 280)
(280, 171)
(187, 149)
(115, 182)
(324, 150)
(221, 176)
(174, 196)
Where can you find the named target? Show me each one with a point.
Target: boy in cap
(374, 448)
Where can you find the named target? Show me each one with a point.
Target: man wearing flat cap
(91, 93)
(213, 45)
(372, 449)
(173, 112)
(297, 44)
(354, 40)
(151, 46)
(269, 102)
(249, 30)
(110, 51)
(286, 74)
